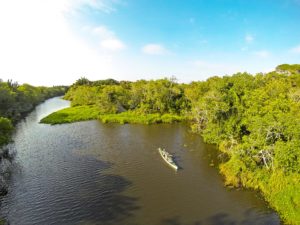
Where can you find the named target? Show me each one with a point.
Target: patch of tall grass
(72, 114)
(82, 113)
(279, 189)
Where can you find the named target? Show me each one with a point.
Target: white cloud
(262, 54)
(38, 46)
(249, 38)
(155, 49)
(296, 49)
(106, 6)
(112, 44)
(101, 31)
(107, 38)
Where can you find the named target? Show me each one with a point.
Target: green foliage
(282, 192)
(6, 129)
(146, 102)
(287, 156)
(2, 221)
(232, 171)
(255, 121)
(135, 117)
(16, 100)
(288, 69)
(82, 113)
(83, 81)
(72, 114)
(148, 97)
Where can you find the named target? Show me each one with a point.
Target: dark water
(93, 173)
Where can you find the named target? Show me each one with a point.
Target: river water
(94, 173)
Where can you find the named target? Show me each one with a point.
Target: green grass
(134, 117)
(280, 190)
(72, 114)
(82, 113)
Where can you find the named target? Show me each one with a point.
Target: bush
(6, 129)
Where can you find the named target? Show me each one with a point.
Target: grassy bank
(253, 119)
(83, 113)
(133, 117)
(280, 190)
(72, 114)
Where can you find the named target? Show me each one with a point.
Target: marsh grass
(83, 113)
(280, 189)
(72, 114)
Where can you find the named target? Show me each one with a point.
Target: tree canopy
(16, 100)
(254, 119)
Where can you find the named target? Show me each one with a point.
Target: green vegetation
(288, 69)
(82, 113)
(133, 117)
(72, 114)
(17, 100)
(6, 129)
(255, 121)
(145, 102)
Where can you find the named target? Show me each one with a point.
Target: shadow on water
(249, 218)
(81, 195)
(109, 205)
(177, 161)
(66, 176)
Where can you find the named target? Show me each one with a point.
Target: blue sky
(49, 42)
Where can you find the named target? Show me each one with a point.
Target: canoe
(168, 158)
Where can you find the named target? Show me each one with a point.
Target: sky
(55, 42)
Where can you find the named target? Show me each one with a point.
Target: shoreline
(84, 113)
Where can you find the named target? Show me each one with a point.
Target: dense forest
(124, 102)
(17, 100)
(253, 119)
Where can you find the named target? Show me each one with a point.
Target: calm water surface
(94, 173)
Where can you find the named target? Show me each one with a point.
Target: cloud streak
(107, 38)
(154, 49)
(106, 6)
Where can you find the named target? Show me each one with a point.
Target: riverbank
(136, 188)
(5, 164)
(277, 188)
(280, 190)
(83, 113)
(16, 101)
(253, 119)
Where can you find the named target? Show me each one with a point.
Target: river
(94, 173)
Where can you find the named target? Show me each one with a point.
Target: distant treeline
(255, 121)
(17, 100)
